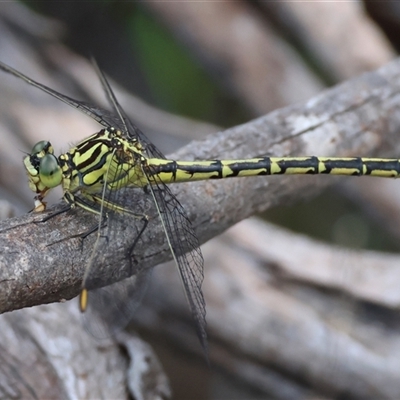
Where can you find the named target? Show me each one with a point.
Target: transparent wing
(116, 304)
(118, 119)
(185, 248)
(130, 130)
(103, 117)
(112, 307)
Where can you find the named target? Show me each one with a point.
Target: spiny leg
(145, 220)
(54, 214)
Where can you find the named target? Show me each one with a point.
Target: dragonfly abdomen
(170, 171)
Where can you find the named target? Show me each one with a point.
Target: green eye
(50, 172)
(40, 146)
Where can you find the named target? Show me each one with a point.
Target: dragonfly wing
(111, 308)
(103, 117)
(124, 123)
(116, 303)
(186, 251)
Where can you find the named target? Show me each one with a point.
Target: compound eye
(50, 171)
(40, 146)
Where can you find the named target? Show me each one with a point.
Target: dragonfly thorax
(105, 159)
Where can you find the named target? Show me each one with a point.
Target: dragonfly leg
(130, 252)
(82, 236)
(54, 214)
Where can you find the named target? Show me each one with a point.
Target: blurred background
(184, 70)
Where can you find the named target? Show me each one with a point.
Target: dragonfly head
(44, 171)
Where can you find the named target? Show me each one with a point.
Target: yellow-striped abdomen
(170, 171)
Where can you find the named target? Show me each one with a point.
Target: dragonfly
(100, 172)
